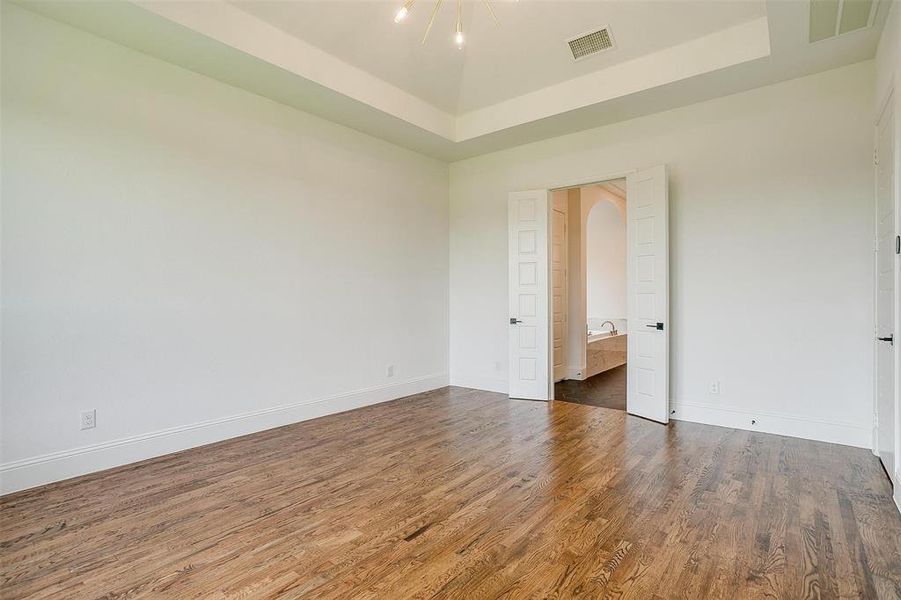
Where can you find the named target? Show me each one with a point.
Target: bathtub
(595, 335)
(595, 326)
(605, 351)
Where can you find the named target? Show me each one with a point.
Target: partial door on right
(647, 291)
(886, 247)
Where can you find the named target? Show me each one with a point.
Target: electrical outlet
(714, 387)
(89, 419)
(390, 371)
(497, 365)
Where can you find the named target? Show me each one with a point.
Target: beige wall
(580, 202)
(605, 249)
(575, 339)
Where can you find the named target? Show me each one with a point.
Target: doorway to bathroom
(548, 296)
(590, 333)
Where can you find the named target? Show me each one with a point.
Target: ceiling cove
(514, 80)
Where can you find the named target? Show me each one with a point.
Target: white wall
(771, 250)
(194, 261)
(605, 241)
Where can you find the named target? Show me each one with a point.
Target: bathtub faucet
(612, 326)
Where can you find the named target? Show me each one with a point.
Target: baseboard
(821, 430)
(874, 446)
(487, 384)
(575, 373)
(898, 493)
(57, 466)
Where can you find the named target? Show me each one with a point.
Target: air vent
(830, 18)
(589, 44)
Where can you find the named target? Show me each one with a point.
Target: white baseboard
(487, 384)
(821, 430)
(575, 373)
(898, 493)
(875, 437)
(48, 468)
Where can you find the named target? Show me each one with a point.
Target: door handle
(657, 326)
(514, 321)
(890, 339)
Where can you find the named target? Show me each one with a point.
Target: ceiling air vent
(831, 18)
(591, 43)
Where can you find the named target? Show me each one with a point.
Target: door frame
(887, 103)
(565, 185)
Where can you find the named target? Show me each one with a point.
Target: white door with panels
(559, 282)
(647, 371)
(886, 266)
(529, 292)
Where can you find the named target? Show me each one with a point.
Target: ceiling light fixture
(459, 38)
(403, 11)
(458, 35)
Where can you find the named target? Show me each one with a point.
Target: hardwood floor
(466, 494)
(607, 389)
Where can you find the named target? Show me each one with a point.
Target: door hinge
(898, 244)
(876, 156)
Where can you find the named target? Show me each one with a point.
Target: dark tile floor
(607, 389)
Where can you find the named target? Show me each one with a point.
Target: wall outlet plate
(714, 387)
(390, 371)
(89, 419)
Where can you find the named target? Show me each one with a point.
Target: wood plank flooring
(464, 494)
(607, 389)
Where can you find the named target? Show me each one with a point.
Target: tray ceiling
(348, 62)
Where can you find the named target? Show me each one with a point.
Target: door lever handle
(890, 339)
(514, 321)
(658, 326)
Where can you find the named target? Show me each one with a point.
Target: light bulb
(458, 27)
(401, 14)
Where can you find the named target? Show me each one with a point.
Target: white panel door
(647, 371)
(558, 282)
(886, 411)
(529, 270)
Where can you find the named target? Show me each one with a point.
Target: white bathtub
(605, 351)
(594, 336)
(597, 332)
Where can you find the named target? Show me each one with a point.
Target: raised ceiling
(348, 61)
(524, 52)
